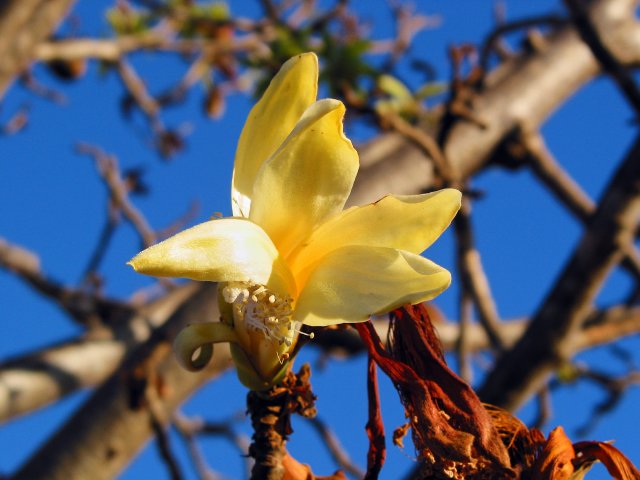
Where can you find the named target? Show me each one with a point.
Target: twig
(138, 91)
(501, 30)
(339, 454)
(615, 387)
(189, 429)
(427, 144)
(164, 447)
(30, 82)
(544, 407)
(17, 122)
(109, 171)
(115, 49)
(462, 342)
(99, 251)
(85, 307)
(109, 50)
(180, 223)
(556, 178)
(474, 280)
(407, 25)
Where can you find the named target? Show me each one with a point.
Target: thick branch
(567, 190)
(84, 307)
(23, 25)
(32, 381)
(550, 337)
(608, 61)
(35, 380)
(523, 90)
(102, 437)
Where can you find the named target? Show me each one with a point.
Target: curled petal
(289, 94)
(229, 249)
(408, 222)
(194, 344)
(354, 282)
(307, 181)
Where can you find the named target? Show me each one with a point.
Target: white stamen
(263, 311)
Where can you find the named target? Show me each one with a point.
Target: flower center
(263, 310)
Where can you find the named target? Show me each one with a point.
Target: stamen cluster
(262, 310)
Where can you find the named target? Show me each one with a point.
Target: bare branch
(551, 173)
(338, 453)
(164, 446)
(549, 337)
(424, 142)
(472, 275)
(32, 381)
(462, 343)
(84, 307)
(607, 59)
(615, 388)
(189, 428)
(110, 172)
(567, 190)
(115, 49)
(138, 91)
(23, 25)
(528, 87)
(100, 439)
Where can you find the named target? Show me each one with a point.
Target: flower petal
(229, 249)
(354, 282)
(308, 180)
(410, 222)
(289, 94)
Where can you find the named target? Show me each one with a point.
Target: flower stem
(270, 412)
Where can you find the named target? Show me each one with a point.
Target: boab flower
(290, 256)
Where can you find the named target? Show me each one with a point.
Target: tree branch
(102, 437)
(33, 381)
(526, 88)
(24, 24)
(549, 339)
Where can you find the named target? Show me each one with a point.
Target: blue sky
(54, 204)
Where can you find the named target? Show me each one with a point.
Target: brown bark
(102, 437)
(24, 24)
(549, 338)
(524, 90)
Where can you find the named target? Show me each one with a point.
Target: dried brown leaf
(555, 460)
(375, 428)
(415, 343)
(452, 432)
(523, 444)
(294, 470)
(618, 465)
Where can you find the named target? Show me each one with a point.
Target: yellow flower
(291, 256)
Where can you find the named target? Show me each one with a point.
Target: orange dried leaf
(523, 444)
(618, 465)
(399, 434)
(555, 460)
(294, 470)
